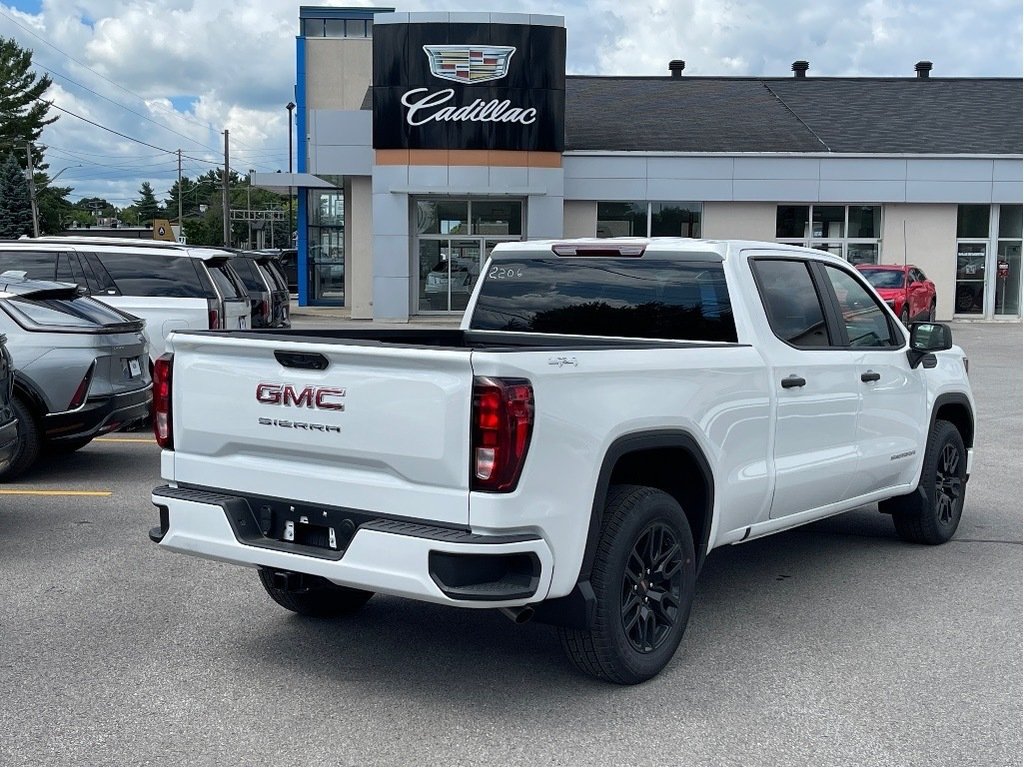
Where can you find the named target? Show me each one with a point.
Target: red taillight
(214, 314)
(162, 429)
(83, 389)
(265, 310)
(502, 425)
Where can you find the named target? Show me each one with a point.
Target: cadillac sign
(468, 86)
(468, 63)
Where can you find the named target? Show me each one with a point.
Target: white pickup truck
(608, 413)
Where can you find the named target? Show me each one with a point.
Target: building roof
(807, 114)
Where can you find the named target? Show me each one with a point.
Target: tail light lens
(162, 429)
(83, 389)
(214, 314)
(265, 310)
(502, 426)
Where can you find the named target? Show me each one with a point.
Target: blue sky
(175, 73)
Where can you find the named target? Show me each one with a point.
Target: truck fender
(577, 608)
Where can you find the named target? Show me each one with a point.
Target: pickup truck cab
(608, 413)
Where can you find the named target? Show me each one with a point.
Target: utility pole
(227, 202)
(32, 191)
(181, 228)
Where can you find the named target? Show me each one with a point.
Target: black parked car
(8, 422)
(288, 261)
(268, 290)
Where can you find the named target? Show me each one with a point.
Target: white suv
(170, 286)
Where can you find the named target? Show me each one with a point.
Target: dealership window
(337, 28)
(453, 240)
(1008, 258)
(326, 238)
(853, 232)
(988, 261)
(648, 219)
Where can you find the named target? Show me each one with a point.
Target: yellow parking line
(149, 440)
(13, 492)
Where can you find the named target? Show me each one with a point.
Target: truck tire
(321, 599)
(643, 579)
(931, 514)
(29, 441)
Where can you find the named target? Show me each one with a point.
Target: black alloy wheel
(931, 514)
(643, 577)
(652, 588)
(949, 485)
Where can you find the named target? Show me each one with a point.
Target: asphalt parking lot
(832, 644)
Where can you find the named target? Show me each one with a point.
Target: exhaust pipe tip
(519, 615)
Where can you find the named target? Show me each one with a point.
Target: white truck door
(893, 423)
(817, 391)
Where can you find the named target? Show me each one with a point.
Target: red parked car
(904, 288)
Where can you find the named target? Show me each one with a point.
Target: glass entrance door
(448, 272)
(970, 278)
(1008, 279)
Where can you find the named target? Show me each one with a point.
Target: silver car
(81, 367)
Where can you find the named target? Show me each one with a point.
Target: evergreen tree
(15, 207)
(147, 205)
(22, 111)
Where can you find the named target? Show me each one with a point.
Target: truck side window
(866, 324)
(791, 302)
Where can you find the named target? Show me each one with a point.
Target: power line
(126, 136)
(128, 109)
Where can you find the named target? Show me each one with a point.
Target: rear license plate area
(329, 531)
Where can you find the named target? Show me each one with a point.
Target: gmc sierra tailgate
(367, 427)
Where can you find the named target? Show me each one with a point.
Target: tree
(22, 110)
(15, 207)
(147, 205)
(53, 205)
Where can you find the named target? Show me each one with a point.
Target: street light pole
(289, 106)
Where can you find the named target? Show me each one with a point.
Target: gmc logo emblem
(324, 398)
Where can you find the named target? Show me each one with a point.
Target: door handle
(870, 376)
(310, 361)
(793, 381)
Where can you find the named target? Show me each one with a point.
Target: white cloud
(187, 69)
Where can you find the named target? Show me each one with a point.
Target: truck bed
(457, 339)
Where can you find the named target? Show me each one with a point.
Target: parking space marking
(149, 440)
(16, 492)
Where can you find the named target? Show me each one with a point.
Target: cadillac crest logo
(469, 64)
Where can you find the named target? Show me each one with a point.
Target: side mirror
(926, 338)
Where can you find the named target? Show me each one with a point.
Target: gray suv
(81, 367)
(8, 424)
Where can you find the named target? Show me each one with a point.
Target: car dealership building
(424, 139)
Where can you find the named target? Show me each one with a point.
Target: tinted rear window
(78, 312)
(228, 283)
(153, 274)
(247, 270)
(634, 298)
(273, 272)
